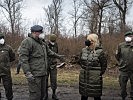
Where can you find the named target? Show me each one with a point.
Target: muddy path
(63, 92)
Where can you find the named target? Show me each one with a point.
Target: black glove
(30, 77)
(61, 58)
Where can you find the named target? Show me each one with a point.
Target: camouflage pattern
(38, 88)
(52, 37)
(128, 33)
(6, 56)
(2, 35)
(93, 66)
(7, 82)
(33, 54)
(52, 71)
(124, 55)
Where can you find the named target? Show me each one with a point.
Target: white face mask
(2, 41)
(52, 43)
(128, 39)
(41, 36)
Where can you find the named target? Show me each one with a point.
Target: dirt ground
(63, 92)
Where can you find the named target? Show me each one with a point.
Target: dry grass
(19, 78)
(68, 77)
(110, 82)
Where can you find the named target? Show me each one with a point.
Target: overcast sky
(33, 9)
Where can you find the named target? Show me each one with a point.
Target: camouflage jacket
(33, 54)
(93, 66)
(52, 61)
(124, 55)
(7, 55)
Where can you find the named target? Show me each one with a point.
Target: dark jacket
(33, 54)
(52, 61)
(6, 56)
(93, 66)
(124, 55)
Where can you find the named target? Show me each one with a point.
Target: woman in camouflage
(93, 65)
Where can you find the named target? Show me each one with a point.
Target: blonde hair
(93, 38)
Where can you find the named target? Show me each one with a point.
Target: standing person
(18, 67)
(93, 65)
(18, 63)
(33, 55)
(124, 55)
(7, 55)
(52, 62)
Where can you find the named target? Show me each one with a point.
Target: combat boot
(123, 98)
(0, 95)
(9, 99)
(46, 97)
(54, 97)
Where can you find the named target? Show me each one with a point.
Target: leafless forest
(107, 18)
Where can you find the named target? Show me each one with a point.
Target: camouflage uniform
(33, 55)
(124, 55)
(6, 56)
(18, 64)
(93, 65)
(52, 71)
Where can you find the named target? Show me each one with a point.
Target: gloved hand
(61, 58)
(29, 76)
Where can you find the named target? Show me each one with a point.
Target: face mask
(128, 39)
(88, 43)
(52, 42)
(2, 41)
(41, 36)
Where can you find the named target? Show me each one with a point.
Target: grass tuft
(68, 77)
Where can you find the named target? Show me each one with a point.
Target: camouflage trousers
(52, 73)
(7, 82)
(38, 88)
(123, 79)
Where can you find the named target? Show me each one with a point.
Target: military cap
(37, 28)
(1, 35)
(52, 37)
(128, 33)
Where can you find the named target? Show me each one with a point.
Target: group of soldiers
(38, 59)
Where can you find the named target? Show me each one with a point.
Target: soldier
(18, 67)
(33, 55)
(18, 63)
(93, 65)
(124, 55)
(7, 55)
(52, 62)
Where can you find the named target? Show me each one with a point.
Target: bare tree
(91, 16)
(101, 4)
(76, 15)
(123, 6)
(113, 20)
(12, 8)
(3, 28)
(53, 14)
(49, 17)
(95, 9)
